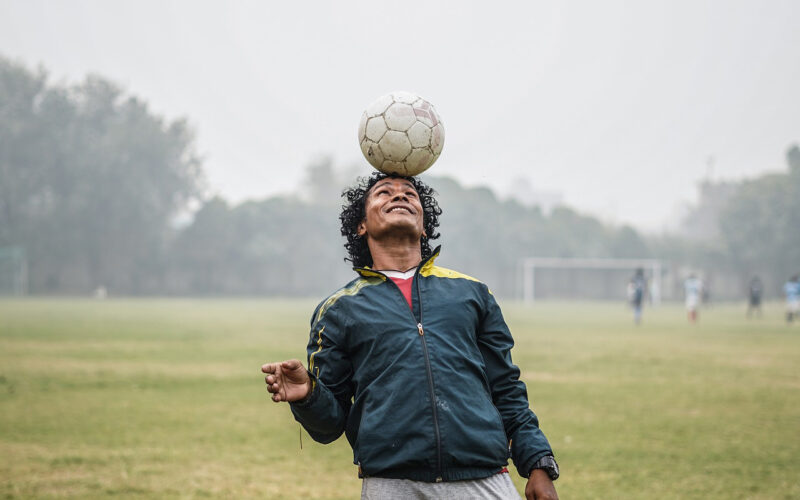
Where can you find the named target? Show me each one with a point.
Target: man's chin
(401, 229)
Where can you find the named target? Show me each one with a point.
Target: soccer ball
(401, 133)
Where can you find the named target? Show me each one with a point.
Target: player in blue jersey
(636, 291)
(792, 291)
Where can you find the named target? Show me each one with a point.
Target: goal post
(531, 264)
(13, 271)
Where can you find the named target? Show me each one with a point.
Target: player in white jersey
(693, 288)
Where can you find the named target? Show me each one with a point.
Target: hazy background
(617, 129)
(153, 152)
(616, 106)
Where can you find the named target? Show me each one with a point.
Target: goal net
(13, 271)
(587, 278)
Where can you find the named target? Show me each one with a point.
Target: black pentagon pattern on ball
(401, 133)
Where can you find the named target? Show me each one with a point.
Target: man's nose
(400, 196)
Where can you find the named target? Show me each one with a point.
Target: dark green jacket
(430, 395)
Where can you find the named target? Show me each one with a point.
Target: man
(693, 288)
(412, 362)
(792, 290)
(636, 289)
(754, 292)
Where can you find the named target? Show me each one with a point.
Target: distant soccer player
(636, 290)
(792, 290)
(754, 291)
(693, 287)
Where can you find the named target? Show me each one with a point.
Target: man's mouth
(396, 209)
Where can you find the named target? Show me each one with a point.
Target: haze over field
(180, 162)
(617, 106)
(172, 403)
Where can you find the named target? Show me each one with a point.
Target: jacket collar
(423, 266)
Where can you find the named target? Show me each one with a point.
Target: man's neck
(397, 257)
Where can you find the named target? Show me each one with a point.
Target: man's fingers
(291, 364)
(273, 384)
(276, 377)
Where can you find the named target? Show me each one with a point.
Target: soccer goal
(603, 277)
(13, 271)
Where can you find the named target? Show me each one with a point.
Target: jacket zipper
(430, 381)
(431, 386)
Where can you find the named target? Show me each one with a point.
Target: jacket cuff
(311, 397)
(527, 467)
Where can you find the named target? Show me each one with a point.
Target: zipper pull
(419, 327)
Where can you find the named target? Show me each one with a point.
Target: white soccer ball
(401, 133)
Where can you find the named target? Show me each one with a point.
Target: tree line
(89, 181)
(93, 185)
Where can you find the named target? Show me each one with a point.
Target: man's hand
(287, 381)
(540, 487)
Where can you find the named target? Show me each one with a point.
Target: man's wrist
(307, 397)
(305, 400)
(548, 464)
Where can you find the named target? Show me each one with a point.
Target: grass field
(164, 399)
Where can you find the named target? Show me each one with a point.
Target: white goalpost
(13, 271)
(531, 264)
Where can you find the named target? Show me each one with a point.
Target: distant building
(523, 191)
(702, 221)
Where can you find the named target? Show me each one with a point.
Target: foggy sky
(617, 105)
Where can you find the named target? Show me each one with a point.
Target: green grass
(164, 399)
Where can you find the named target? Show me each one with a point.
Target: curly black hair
(354, 212)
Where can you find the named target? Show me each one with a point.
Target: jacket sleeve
(324, 413)
(509, 394)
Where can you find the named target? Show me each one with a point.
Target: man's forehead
(390, 180)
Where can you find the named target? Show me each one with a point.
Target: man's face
(392, 208)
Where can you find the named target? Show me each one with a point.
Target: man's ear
(362, 228)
